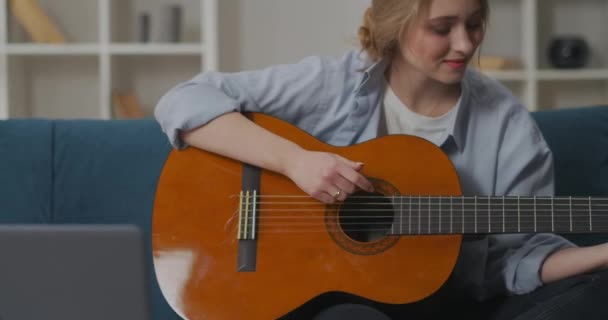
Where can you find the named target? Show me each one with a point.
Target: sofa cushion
(106, 172)
(25, 171)
(578, 138)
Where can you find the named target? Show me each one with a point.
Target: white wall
(258, 33)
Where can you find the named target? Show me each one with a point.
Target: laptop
(72, 272)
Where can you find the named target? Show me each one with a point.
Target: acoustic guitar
(232, 241)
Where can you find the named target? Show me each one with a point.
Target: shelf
(54, 87)
(156, 49)
(555, 94)
(126, 17)
(510, 75)
(103, 53)
(78, 21)
(93, 49)
(133, 74)
(586, 19)
(27, 49)
(582, 74)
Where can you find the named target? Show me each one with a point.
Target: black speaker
(568, 52)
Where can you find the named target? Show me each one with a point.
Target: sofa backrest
(25, 179)
(578, 138)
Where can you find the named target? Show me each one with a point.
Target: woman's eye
(441, 31)
(474, 26)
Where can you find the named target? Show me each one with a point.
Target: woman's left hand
(574, 261)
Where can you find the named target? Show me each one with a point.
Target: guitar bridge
(248, 217)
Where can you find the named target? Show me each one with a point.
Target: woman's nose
(463, 41)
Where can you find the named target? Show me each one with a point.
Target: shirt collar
(374, 76)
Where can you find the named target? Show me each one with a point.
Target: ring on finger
(337, 194)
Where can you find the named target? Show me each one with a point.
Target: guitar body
(302, 249)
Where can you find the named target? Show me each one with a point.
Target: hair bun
(366, 34)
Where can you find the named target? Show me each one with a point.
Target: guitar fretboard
(419, 215)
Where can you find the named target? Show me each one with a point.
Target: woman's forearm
(574, 261)
(234, 136)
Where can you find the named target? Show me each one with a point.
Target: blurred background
(113, 59)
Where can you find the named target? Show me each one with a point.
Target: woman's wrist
(289, 158)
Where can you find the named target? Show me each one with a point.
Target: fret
(436, 221)
(503, 214)
(396, 218)
(419, 215)
(462, 214)
(544, 214)
(440, 209)
(511, 216)
(444, 213)
(570, 212)
(457, 217)
(561, 213)
(468, 217)
(552, 216)
(599, 208)
(527, 215)
(518, 214)
(405, 223)
(495, 218)
(416, 219)
(410, 215)
(451, 214)
(475, 218)
(482, 218)
(429, 216)
(590, 216)
(489, 215)
(400, 220)
(580, 215)
(535, 214)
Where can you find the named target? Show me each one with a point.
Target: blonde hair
(385, 21)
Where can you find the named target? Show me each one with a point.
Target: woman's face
(442, 40)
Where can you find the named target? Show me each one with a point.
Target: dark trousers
(580, 297)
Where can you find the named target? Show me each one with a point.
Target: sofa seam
(52, 186)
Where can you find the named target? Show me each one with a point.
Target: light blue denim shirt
(494, 144)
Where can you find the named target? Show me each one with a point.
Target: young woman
(411, 77)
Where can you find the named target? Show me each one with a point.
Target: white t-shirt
(401, 120)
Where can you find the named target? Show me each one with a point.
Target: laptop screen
(72, 272)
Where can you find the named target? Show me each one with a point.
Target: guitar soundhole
(366, 217)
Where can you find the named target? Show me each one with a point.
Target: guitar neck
(422, 215)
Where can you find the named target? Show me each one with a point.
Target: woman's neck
(420, 93)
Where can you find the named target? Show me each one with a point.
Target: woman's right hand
(325, 176)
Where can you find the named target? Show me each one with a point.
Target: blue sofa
(93, 171)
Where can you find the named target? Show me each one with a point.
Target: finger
(353, 164)
(325, 198)
(346, 186)
(356, 178)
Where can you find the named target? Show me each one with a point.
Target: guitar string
(425, 203)
(441, 196)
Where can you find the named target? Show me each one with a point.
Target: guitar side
(195, 223)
